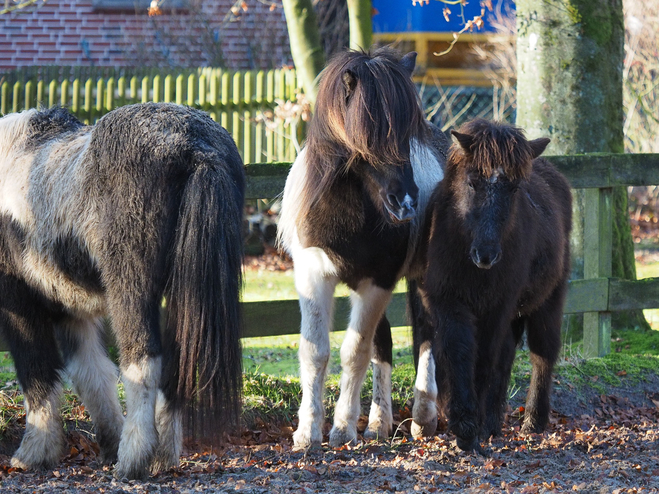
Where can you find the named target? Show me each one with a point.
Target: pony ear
(408, 62)
(349, 81)
(538, 146)
(465, 140)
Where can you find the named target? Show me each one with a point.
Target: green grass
(649, 270)
(277, 355)
(264, 285)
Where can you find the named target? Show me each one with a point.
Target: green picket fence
(239, 100)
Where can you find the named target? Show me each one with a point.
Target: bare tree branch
(12, 5)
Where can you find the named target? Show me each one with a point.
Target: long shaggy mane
(367, 109)
(493, 146)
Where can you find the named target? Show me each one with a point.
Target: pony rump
(489, 147)
(367, 109)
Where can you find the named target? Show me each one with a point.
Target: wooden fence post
(226, 84)
(64, 94)
(247, 118)
(89, 95)
(258, 143)
(29, 99)
(4, 104)
(236, 130)
(598, 242)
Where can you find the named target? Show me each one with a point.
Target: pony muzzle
(485, 258)
(402, 211)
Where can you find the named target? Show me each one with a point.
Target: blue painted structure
(399, 16)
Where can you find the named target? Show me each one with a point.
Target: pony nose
(403, 210)
(485, 258)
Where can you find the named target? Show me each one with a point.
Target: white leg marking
(94, 379)
(315, 282)
(139, 438)
(424, 411)
(170, 436)
(43, 441)
(380, 420)
(368, 304)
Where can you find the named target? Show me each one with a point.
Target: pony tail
(204, 323)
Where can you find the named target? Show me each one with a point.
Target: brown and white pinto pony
(498, 262)
(353, 205)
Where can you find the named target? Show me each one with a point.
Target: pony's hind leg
(368, 305)
(544, 340)
(169, 424)
(138, 337)
(28, 330)
(424, 411)
(315, 287)
(94, 379)
(380, 419)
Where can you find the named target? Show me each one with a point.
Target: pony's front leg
(94, 378)
(368, 305)
(457, 346)
(380, 419)
(315, 284)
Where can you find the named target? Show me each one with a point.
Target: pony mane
(493, 146)
(51, 123)
(14, 130)
(367, 109)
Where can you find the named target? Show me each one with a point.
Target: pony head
(366, 115)
(486, 167)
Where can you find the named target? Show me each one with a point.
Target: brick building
(120, 33)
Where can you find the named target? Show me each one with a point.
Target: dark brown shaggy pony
(498, 264)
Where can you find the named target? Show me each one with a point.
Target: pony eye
(470, 184)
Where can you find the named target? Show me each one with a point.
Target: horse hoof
(304, 440)
(163, 461)
(423, 430)
(468, 445)
(376, 434)
(134, 473)
(531, 426)
(339, 437)
(23, 465)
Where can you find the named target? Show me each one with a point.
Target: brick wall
(74, 32)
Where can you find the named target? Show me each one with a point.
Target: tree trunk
(361, 25)
(569, 88)
(304, 40)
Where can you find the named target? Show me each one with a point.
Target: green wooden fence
(596, 296)
(237, 100)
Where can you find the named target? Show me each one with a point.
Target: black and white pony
(352, 206)
(107, 220)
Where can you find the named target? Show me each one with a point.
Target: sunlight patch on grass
(649, 270)
(277, 355)
(262, 285)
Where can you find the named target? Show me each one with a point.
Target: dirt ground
(595, 443)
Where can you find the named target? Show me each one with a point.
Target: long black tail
(204, 370)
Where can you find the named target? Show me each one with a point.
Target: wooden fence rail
(243, 101)
(596, 296)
